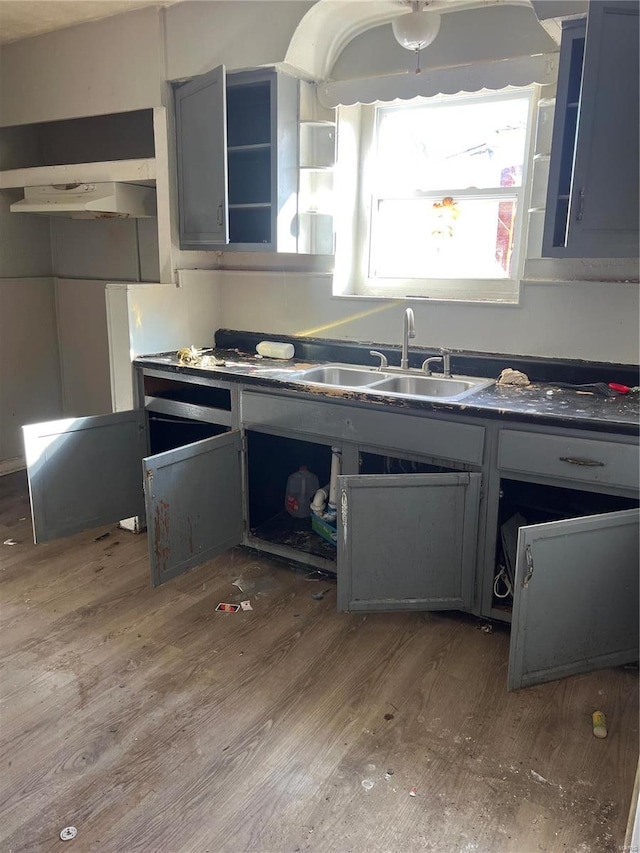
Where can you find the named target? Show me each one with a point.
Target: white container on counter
(275, 349)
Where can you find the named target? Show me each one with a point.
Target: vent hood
(89, 201)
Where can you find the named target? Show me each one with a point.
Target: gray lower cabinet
(407, 541)
(575, 597)
(86, 472)
(193, 499)
(410, 526)
(575, 588)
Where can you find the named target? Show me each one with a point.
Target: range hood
(89, 201)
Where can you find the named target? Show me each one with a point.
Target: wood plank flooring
(152, 723)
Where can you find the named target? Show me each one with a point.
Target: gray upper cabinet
(407, 541)
(575, 597)
(592, 199)
(237, 148)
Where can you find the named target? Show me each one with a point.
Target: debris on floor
(413, 792)
(223, 607)
(246, 605)
(540, 778)
(368, 784)
(102, 536)
(388, 774)
(68, 833)
(10, 542)
(599, 724)
(487, 629)
(318, 596)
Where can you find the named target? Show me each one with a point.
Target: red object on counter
(621, 389)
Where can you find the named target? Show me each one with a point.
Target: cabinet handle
(587, 463)
(580, 213)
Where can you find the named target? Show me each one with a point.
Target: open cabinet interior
(523, 504)
(166, 432)
(270, 461)
(376, 463)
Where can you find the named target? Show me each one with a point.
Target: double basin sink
(392, 382)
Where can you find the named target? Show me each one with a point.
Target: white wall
(237, 33)
(84, 348)
(29, 362)
(108, 66)
(107, 249)
(578, 320)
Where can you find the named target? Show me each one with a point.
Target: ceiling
(21, 19)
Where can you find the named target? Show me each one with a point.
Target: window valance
(493, 75)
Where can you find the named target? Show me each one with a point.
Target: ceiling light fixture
(416, 29)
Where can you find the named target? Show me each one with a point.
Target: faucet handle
(426, 364)
(381, 356)
(446, 361)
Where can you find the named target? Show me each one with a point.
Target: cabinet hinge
(580, 213)
(528, 556)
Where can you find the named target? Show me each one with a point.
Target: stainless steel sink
(442, 387)
(340, 376)
(393, 382)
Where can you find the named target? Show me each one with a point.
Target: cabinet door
(575, 598)
(201, 148)
(407, 541)
(84, 472)
(592, 200)
(604, 198)
(193, 498)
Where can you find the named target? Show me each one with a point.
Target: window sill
(489, 292)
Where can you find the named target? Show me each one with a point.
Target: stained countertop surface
(542, 403)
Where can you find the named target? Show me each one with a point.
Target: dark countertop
(540, 402)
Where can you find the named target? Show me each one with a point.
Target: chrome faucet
(408, 331)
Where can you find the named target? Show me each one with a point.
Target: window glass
(446, 147)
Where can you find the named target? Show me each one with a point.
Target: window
(442, 196)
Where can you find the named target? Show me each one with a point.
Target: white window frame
(352, 255)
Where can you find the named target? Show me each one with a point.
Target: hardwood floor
(153, 723)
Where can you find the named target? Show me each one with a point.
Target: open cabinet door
(84, 472)
(575, 603)
(201, 143)
(193, 497)
(407, 541)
